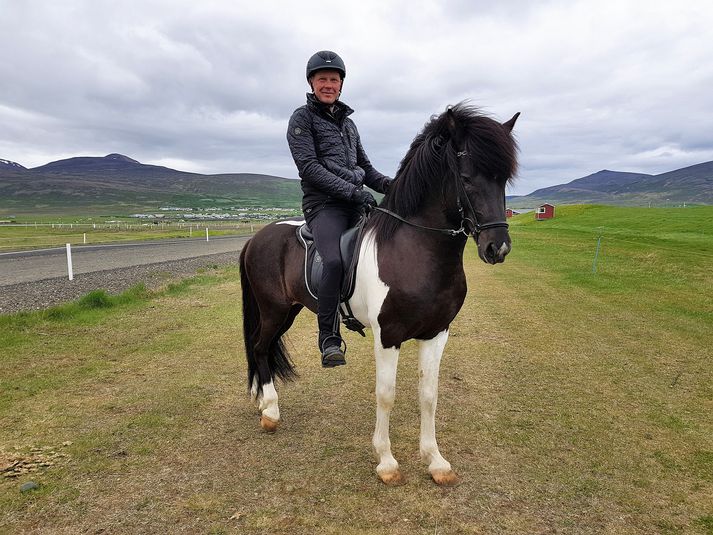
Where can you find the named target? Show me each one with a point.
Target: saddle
(348, 247)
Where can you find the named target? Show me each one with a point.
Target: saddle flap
(313, 262)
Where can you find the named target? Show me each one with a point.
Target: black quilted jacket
(329, 156)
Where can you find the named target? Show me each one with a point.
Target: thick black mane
(431, 164)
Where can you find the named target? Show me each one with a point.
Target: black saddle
(348, 248)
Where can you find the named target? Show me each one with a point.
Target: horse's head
(485, 160)
(452, 180)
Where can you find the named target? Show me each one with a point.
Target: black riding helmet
(326, 59)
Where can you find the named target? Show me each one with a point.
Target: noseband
(468, 225)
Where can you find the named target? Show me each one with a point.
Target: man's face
(326, 84)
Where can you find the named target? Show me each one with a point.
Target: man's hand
(364, 198)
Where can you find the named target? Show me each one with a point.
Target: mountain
(8, 165)
(124, 184)
(109, 163)
(119, 184)
(692, 185)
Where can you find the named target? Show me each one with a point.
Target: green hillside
(119, 185)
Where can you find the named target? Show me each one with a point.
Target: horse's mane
(431, 162)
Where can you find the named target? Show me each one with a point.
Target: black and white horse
(410, 282)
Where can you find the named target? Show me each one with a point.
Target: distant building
(545, 211)
(509, 212)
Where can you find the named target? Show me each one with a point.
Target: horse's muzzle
(494, 251)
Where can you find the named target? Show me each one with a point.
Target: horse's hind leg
(430, 352)
(272, 360)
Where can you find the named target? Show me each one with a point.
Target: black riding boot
(327, 225)
(330, 341)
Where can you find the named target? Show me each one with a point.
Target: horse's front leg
(430, 352)
(386, 364)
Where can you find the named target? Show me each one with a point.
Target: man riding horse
(333, 168)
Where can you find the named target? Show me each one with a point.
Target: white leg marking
(369, 295)
(386, 364)
(429, 356)
(268, 402)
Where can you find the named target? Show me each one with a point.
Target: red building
(509, 212)
(545, 211)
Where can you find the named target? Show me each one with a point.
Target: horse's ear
(511, 123)
(451, 121)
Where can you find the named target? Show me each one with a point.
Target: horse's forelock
(489, 144)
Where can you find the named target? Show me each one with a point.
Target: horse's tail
(278, 359)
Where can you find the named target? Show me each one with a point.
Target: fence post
(85, 237)
(206, 234)
(596, 254)
(69, 262)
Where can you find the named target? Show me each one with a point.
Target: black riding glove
(363, 197)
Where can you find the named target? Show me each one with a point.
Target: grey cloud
(619, 85)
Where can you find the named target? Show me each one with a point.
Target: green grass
(570, 402)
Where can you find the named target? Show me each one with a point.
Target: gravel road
(36, 294)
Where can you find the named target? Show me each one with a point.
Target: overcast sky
(208, 86)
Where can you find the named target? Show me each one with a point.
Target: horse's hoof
(445, 478)
(268, 424)
(392, 479)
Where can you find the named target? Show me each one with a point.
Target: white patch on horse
(429, 361)
(504, 249)
(369, 290)
(268, 402)
(293, 222)
(369, 295)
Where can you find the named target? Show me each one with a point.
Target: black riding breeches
(327, 225)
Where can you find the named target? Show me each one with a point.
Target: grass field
(571, 402)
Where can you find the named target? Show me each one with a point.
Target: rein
(476, 228)
(447, 231)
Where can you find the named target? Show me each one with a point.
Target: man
(333, 166)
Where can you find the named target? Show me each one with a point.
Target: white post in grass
(206, 234)
(69, 262)
(596, 254)
(85, 237)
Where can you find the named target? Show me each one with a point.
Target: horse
(410, 282)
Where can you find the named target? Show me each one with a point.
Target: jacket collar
(340, 111)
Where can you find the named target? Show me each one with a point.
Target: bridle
(476, 227)
(468, 225)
